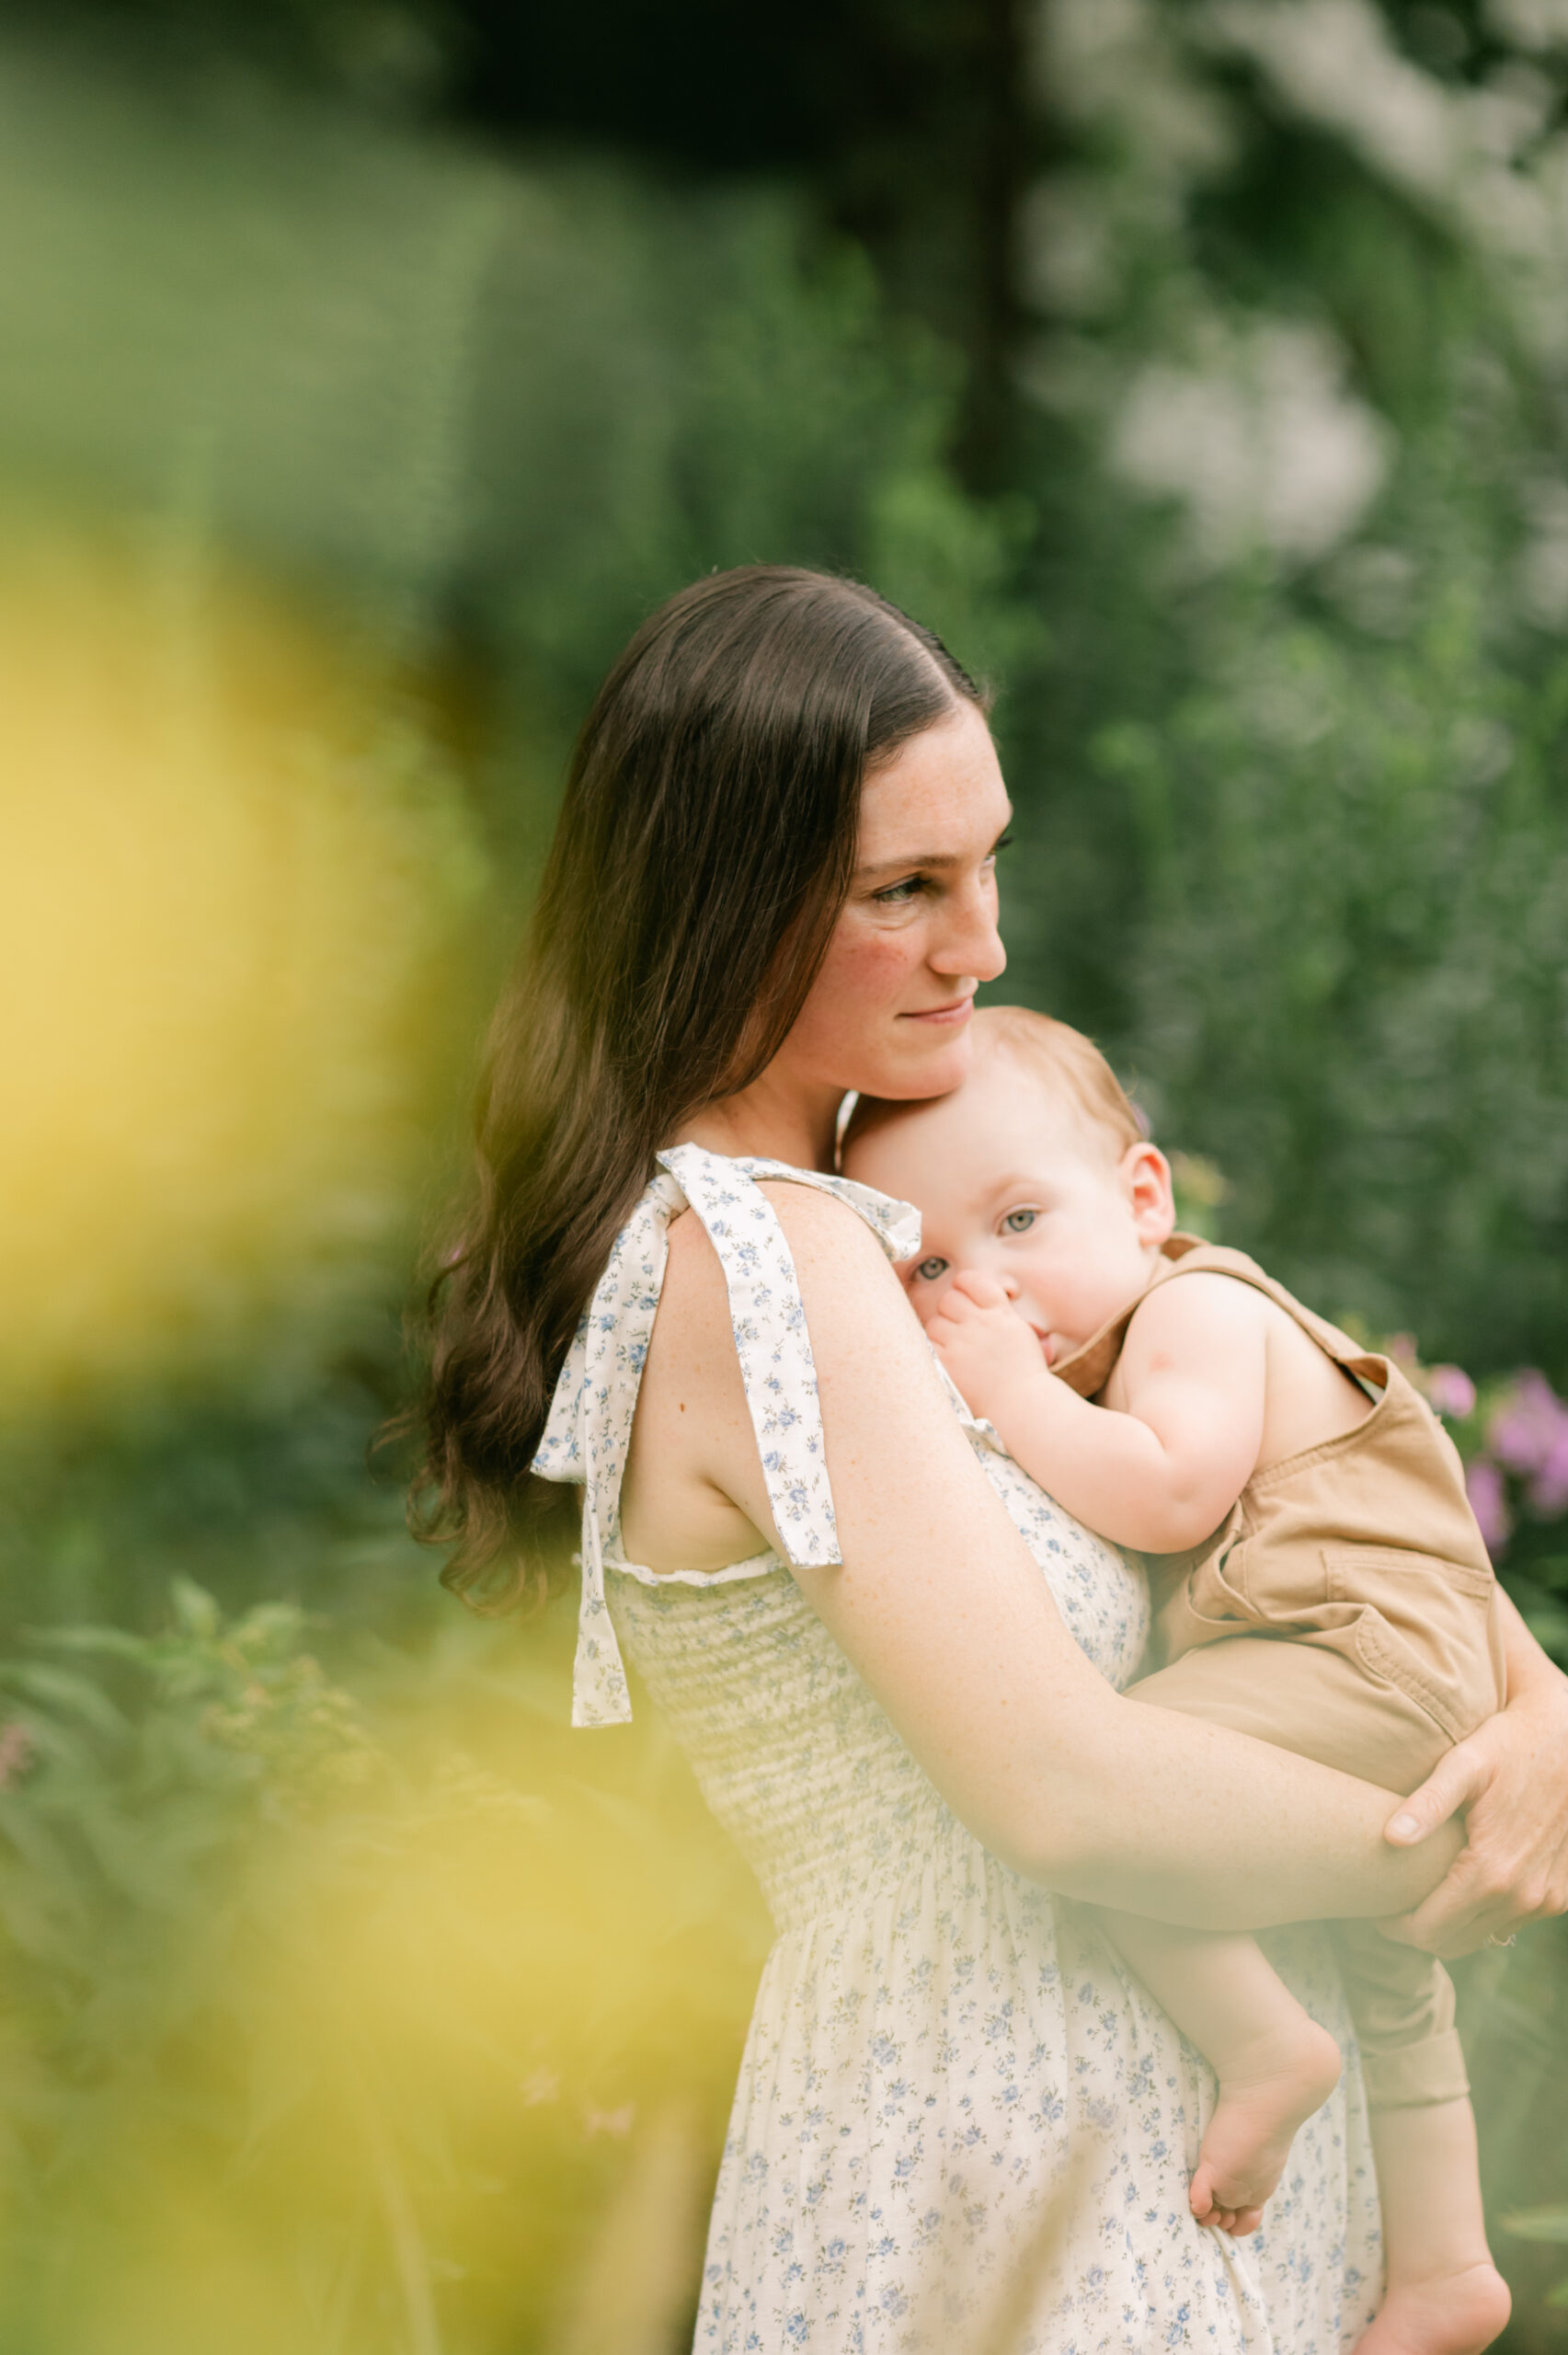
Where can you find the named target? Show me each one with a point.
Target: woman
(960, 2125)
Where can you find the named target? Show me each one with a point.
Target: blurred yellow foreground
(397, 2018)
(233, 863)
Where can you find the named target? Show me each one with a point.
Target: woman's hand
(1511, 1777)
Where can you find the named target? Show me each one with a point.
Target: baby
(1322, 1585)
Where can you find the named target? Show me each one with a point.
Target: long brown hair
(702, 854)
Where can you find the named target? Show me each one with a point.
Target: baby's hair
(1070, 1065)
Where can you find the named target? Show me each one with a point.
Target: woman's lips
(956, 1012)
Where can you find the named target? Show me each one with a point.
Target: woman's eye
(899, 895)
(928, 1270)
(1019, 1222)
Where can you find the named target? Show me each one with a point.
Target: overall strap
(1089, 1366)
(1199, 1258)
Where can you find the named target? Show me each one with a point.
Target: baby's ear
(1151, 1192)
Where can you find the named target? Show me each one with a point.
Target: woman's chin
(929, 1066)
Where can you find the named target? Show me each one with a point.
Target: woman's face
(889, 1012)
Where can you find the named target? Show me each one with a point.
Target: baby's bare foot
(1273, 2089)
(1455, 2314)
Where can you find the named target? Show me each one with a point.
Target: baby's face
(1011, 1184)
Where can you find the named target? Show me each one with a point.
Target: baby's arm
(1161, 1468)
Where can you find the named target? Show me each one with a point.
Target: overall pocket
(1433, 1627)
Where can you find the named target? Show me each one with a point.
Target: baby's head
(1035, 1171)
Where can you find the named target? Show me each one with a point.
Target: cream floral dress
(960, 2128)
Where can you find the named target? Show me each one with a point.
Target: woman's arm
(1511, 1777)
(943, 1611)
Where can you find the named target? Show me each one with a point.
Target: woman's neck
(769, 1120)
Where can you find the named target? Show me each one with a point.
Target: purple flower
(1529, 1424)
(1549, 1489)
(1451, 1391)
(1489, 1502)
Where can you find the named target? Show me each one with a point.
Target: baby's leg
(1275, 2066)
(1444, 2296)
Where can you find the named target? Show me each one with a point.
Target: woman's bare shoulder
(839, 1263)
(695, 1491)
(824, 1224)
(818, 1226)
(847, 1283)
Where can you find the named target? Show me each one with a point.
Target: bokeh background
(368, 369)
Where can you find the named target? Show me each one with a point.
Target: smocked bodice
(793, 1756)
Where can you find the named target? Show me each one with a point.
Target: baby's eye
(929, 1270)
(1020, 1222)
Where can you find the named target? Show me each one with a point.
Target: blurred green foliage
(345, 2021)
(363, 2000)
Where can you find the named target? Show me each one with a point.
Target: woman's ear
(1150, 1191)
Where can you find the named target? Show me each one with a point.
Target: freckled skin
(889, 1012)
(917, 932)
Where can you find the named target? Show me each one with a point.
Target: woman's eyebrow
(903, 866)
(911, 860)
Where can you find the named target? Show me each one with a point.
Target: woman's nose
(971, 944)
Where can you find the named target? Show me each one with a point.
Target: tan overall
(1359, 1565)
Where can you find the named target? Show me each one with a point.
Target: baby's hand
(986, 1346)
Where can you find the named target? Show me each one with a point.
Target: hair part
(704, 851)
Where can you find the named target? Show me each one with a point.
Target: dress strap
(768, 1319)
(590, 1429)
(588, 1434)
